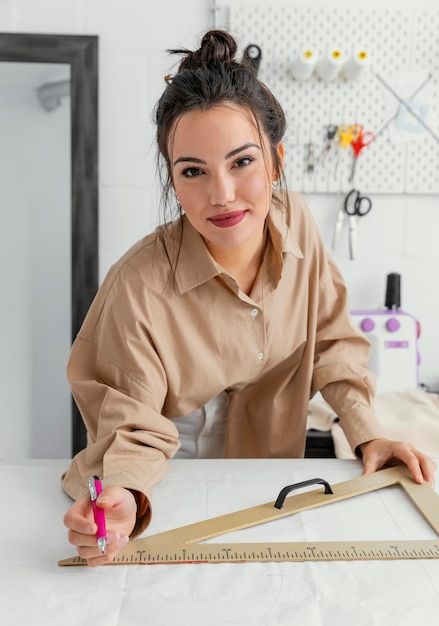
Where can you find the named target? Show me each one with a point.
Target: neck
(242, 263)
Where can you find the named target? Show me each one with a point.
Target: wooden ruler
(182, 545)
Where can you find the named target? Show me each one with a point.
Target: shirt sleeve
(341, 371)
(119, 385)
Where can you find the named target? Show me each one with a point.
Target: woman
(232, 315)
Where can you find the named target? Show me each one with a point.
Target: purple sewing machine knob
(392, 324)
(367, 325)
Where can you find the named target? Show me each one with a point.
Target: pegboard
(404, 50)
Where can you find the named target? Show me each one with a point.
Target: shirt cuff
(143, 515)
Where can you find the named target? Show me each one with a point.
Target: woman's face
(222, 172)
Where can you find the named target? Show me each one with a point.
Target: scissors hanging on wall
(360, 140)
(330, 137)
(353, 207)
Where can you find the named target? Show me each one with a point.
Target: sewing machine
(394, 358)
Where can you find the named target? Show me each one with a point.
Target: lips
(226, 220)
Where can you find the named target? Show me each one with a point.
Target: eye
(243, 161)
(191, 172)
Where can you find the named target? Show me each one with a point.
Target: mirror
(77, 57)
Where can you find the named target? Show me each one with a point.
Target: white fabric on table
(411, 416)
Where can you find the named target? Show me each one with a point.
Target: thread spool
(357, 65)
(304, 64)
(330, 65)
(393, 291)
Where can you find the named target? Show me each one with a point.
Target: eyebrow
(185, 159)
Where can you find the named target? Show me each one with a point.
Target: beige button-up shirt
(157, 345)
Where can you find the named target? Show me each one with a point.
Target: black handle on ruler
(306, 483)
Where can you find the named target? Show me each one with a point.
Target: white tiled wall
(399, 235)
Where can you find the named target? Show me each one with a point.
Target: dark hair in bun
(217, 46)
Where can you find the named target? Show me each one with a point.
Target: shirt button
(254, 312)
(260, 356)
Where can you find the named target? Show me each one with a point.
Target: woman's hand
(380, 452)
(120, 509)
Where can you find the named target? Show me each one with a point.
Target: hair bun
(217, 46)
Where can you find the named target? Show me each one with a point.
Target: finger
(78, 539)
(370, 466)
(94, 557)
(379, 453)
(79, 517)
(401, 452)
(372, 459)
(414, 466)
(80, 524)
(417, 463)
(420, 465)
(428, 467)
(111, 497)
(117, 501)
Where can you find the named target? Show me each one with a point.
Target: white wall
(399, 235)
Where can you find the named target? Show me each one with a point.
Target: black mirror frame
(81, 53)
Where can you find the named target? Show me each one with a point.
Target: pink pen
(95, 488)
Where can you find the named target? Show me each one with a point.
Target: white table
(35, 591)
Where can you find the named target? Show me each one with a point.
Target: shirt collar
(284, 239)
(195, 265)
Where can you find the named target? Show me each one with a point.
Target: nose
(222, 190)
